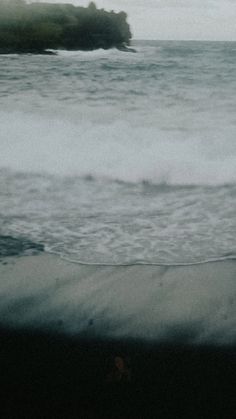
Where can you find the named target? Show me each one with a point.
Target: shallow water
(109, 157)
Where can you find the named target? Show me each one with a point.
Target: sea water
(118, 158)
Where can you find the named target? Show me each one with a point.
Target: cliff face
(39, 26)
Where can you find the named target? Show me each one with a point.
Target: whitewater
(119, 158)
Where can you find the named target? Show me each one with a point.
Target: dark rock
(124, 48)
(17, 246)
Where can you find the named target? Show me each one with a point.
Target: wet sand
(62, 324)
(192, 304)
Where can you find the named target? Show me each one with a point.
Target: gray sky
(174, 19)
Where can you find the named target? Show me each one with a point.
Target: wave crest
(116, 150)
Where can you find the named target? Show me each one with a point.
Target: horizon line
(181, 40)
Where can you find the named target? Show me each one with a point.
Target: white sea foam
(115, 150)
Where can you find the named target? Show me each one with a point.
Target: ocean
(117, 158)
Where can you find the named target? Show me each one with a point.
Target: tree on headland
(35, 27)
(92, 6)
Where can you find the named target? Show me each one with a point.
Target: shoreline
(225, 258)
(192, 304)
(54, 52)
(63, 324)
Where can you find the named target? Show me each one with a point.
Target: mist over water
(109, 157)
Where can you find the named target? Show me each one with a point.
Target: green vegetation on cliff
(36, 27)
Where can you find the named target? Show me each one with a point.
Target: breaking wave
(115, 150)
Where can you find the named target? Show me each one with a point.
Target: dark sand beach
(62, 325)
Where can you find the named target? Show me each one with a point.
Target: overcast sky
(174, 19)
